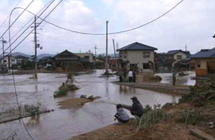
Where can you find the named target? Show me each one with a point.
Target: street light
(9, 26)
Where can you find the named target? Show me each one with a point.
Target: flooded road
(65, 123)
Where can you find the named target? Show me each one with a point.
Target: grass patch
(151, 117)
(190, 116)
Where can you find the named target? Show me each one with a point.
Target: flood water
(181, 80)
(65, 123)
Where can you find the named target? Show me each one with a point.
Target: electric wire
(14, 83)
(9, 15)
(111, 33)
(16, 18)
(26, 30)
(29, 20)
(118, 32)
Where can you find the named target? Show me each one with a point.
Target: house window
(198, 64)
(124, 54)
(179, 56)
(146, 54)
(146, 66)
(5, 61)
(13, 60)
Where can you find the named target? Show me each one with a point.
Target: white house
(138, 57)
(9, 60)
(176, 55)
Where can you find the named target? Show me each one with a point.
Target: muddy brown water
(65, 123)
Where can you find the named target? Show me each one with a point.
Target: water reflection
(32, 121)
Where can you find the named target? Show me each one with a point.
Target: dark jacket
(137, 108)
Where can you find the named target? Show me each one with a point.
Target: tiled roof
(137, 46)
(205, 53)
(172, 52)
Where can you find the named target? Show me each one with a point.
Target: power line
(30, 19)
(9, 15)
(16, 18)
(111, 33)
(27, 29)
(14, 83)
(118, 32)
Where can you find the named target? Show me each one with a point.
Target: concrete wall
(136, 57)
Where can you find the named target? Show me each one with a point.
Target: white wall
(136, 57)
(180, 53)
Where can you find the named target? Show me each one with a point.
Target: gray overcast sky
(191, 23)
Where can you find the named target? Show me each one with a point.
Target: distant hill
(45, 55)
(22, 54)
(29, 56)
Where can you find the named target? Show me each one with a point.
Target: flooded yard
(65, 123)
(181, 80)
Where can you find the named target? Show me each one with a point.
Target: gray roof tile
(137, 46)
(205, 53)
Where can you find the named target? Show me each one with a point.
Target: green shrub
(62, 91)
(33, 110)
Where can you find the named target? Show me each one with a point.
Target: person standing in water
(173, 77)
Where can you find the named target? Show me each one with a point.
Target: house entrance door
(211, 67)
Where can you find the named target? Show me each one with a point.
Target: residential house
(21, 61)
(9, 61)
(174, 56)
(87, 60)
(160, 63)
(86, 57)
(137, 56)
(205, 62)
(67, 60)
(112, 63)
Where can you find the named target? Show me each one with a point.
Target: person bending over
(121, 115)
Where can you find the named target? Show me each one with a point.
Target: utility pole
(117, 46)
(185, 47)
(95, 57)
(106, 64)
(35, 46)
(115, 55)
(114, 48)
(3, 42)
(95, 50)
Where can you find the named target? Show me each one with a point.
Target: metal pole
(3, 41)
(114, 48)
(106, 64)
(35, 45)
